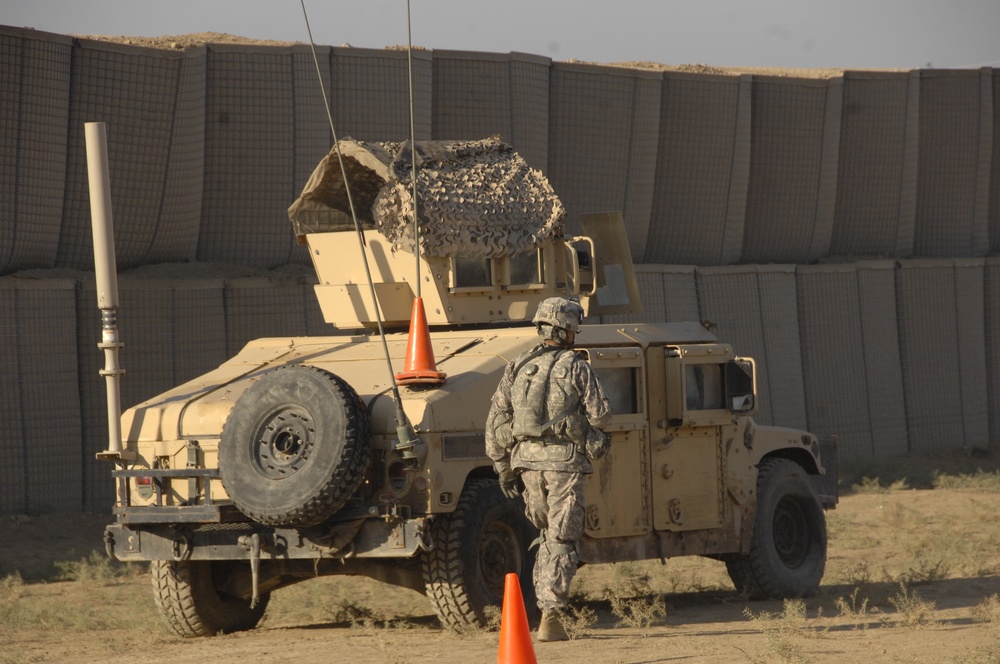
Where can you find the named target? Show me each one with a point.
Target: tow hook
(109, 545)
(252, 544)
(181, 547)
(424, 540)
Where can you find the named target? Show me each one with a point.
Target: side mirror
(740, 385)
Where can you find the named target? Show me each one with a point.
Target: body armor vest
(541, 396)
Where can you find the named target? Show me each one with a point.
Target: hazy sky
(769, 33)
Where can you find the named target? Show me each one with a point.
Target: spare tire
(295, 447)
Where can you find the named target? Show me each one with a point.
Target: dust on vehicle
(364, 454)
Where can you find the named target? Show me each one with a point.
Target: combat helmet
(559, 312)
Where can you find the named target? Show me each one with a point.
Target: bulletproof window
(525, 268)
(473, 272)
(703, 386)
(619, 384)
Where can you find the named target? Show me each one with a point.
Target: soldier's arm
(499, 404)
(595, 403)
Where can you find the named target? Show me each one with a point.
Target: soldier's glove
(597, 444)
(508, 484)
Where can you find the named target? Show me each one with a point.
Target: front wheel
(787, 557)
(475, 547)
(192, 597)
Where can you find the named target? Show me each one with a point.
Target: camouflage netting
(476, 198)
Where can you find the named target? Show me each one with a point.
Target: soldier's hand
(508, 484)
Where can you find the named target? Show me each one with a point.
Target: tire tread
(348, 475)
(750, 572)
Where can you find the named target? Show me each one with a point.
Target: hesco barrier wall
(603, 129)
(481, 94)
(155, 102)
(877, 166)
(34, 114)
(837, 228)
(702, 171)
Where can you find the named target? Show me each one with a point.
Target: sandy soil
(875, 540)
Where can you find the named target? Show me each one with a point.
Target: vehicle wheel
(295, 447)
(191, 597)
(788, 553)
(474, 548)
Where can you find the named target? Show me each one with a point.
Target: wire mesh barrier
(602, 142)
(41, 444)
(35, 114)
(155, 101)
(756, 203)
(876, 169)
(481, 94)
(955, 146)
(702, 170)
(794, 137)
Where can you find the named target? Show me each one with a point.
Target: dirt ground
(941, 544)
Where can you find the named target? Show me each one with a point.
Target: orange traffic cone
(420, 367)
(515, 637)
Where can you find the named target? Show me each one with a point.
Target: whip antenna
(420, 367)
(407, 437)
(413, 144)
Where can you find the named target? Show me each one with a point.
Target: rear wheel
(787, 557)
(295, 447)
(475, 547)
(192, 597)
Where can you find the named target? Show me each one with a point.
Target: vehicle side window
(473, 272)
(619, 384)
(524, 269)
(703, 386)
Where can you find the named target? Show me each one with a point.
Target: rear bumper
(364, 538)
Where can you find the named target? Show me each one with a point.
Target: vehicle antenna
(413, 146)
(420, 367)
(407, 437)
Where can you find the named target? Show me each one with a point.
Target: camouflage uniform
(552, 464)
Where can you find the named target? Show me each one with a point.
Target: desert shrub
(913, 610)
(632, 599)
(95, 568)
(782, 631)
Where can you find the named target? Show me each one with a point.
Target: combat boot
(551, 628)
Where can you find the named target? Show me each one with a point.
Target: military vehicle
(364, 454)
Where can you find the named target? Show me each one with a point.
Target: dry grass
(784, 633)
(855, 609)
(913, 610)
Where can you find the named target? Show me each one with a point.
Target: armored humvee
(304, 457)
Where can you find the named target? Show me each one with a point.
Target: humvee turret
(304, 457)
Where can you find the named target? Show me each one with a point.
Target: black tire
(788, 554)
(295, 447)
(474, 547)
(191, 599)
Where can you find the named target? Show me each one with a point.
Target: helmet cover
(559, 312)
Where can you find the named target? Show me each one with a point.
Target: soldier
(545, 425)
